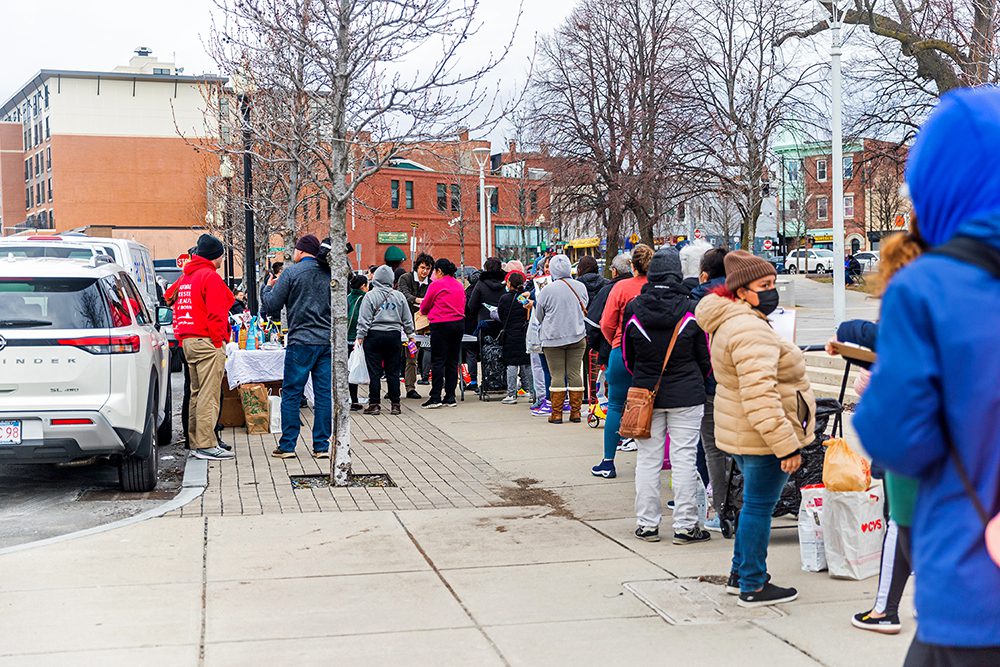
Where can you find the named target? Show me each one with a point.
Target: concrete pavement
(551, 577)
(814, 309)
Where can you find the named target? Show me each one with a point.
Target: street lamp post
(836, 129)
(490, 234)
(481, 155)
(250, 261)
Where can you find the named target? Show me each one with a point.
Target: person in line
(201, 324)
(470, 351)
(444, 306)
(539, 368)
(617, 376)
(561, 308)
(394, 258)
(765, 411)
(413, 286)
(588, 273)
(649, 321)
(483, 300)
(275, 272)
(303, 290)
(383, 318)
(239, 303)
(359, 287)
(513, 318)
(931, 409)
(712, 274)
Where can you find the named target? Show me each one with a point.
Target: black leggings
(446, 348)
(382, 352)
(895, 571)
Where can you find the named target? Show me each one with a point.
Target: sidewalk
(548, 573)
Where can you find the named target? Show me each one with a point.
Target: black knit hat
(209, 247)
(308, 244)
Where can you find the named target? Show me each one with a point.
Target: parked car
(814, 260)
(777, 260)
(83, 368)
(868, 259)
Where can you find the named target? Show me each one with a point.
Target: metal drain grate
(372, 480)
(695, 601)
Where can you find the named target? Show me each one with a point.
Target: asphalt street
(41, 501)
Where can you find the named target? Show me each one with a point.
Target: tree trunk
(749, 231)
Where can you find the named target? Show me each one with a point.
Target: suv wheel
(820, 269)
(793, 269)
(136, 474)
(165, 434)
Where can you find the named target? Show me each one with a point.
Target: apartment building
(112, 153)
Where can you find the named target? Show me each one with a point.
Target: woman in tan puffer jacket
(764, 411)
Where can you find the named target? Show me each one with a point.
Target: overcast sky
(100, 35)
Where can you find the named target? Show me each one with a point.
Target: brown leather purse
(637, 419)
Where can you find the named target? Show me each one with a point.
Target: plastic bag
(844, 470)
(853, 528)
(357, 368)
(274, 404)
(811, 548)
(255, 408)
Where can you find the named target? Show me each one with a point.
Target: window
(456, 197)
(50, 189)
(793, 207)
(495, 200)
(27, 169)
(534, 202)
(161, 70)
(409, 194)
(442, 197)
(821, 208)
(39, 193)
(521, 198)
(46, 96)
(394, 190)
(849, 167)
(47, 134)
(48, 158)
(38, 163)
(52, 218)
(793, 169)
(27, 197)
(135, 300)
(821, 170)
(848, 206)
(62, 303)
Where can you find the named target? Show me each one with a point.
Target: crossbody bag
(637, 419)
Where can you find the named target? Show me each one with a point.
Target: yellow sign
(634, 238)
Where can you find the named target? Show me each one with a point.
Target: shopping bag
(843, 468)
(811, 549)
(357, 369)
(853, 528)
(255, 408)
(274, 404)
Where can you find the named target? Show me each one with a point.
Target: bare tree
(882, 175)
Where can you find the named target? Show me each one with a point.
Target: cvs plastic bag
(357, 369)
(811, 547)
(853, 528)
(843, 468)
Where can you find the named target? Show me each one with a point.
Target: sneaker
(733, 585)
(223, 444)
(325, 454)
(648, 534)
(395, 409)
(887, 625)
(423, 383)
(627, 445)
(412, 393)
(714, 525)
(431, 404)
(768, 595)
(509, 400)
(357, 407)
(450, 403)
(605, 469)
(280, 453)
(696, 534)
(472, 386)
(566, 406)
(373, 409)
(213, 454)
(544, 409)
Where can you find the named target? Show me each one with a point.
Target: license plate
(10, 432)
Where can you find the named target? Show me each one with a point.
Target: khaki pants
(206, 365)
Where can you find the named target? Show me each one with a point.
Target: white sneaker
(509, 400)
(627, 445)
(213, 454)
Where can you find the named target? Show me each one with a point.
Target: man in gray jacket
(303, 290)
(383, 318)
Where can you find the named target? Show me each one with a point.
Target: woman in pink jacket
(444, 306)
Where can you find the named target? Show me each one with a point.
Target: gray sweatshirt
(303, 290)
(559, 306)
(383, 308)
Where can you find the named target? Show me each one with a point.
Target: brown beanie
(742, 268)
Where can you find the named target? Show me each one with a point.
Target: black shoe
(412, 393)
(373, 409)
(733, 585)
(431, 404)
(768, 595)
(395, 409)
(225, 445)
(887, 625)
(472, 386)
(357, 407)
(696, 534)
(648, 534)
(423, 383)
(450, 403)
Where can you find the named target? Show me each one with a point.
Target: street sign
(767, 244)
(181, 259)
(634, 238)
(697, 234)
(392, 238)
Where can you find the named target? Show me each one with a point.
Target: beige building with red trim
(111, 153)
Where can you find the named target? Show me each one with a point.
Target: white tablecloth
(249, 366)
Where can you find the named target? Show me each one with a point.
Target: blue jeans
(763, 481)
(301, 361)
(619, 381)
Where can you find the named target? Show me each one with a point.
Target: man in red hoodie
(201, 324)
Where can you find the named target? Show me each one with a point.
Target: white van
(131, 255)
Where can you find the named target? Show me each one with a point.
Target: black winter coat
(595, 339)
(648, 323)
(488, 290)
(514, 320)
(593, 282)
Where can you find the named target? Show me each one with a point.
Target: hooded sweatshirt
(937, 371)
(560, 306)
(383, 308)
(611, 318)
(203, 302)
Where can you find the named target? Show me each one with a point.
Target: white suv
(806, 261)
(83, 368)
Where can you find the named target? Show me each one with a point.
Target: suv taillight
(104, 344)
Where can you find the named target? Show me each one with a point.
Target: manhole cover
(695, 602)
(372, 480)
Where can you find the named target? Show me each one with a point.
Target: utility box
(786, 291)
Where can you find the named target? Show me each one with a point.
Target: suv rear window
(60, 252)
(52, 303)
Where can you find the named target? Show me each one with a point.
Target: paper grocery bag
(256, 408)
(853, 528)
(843, 468)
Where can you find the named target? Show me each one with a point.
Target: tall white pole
(489, 223)
(483, 235)
(839, 285)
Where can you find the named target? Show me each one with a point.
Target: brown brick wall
(11, 174)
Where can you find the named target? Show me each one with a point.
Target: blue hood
(952, 172)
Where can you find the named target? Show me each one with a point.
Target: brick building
(873, 205)
(113, 153)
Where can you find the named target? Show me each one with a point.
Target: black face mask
(768, 301)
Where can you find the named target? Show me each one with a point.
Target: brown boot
(575, 402)
(558, 398)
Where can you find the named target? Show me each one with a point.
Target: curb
(192, 486)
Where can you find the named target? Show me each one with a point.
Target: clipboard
(783, 322)
(854, 352)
